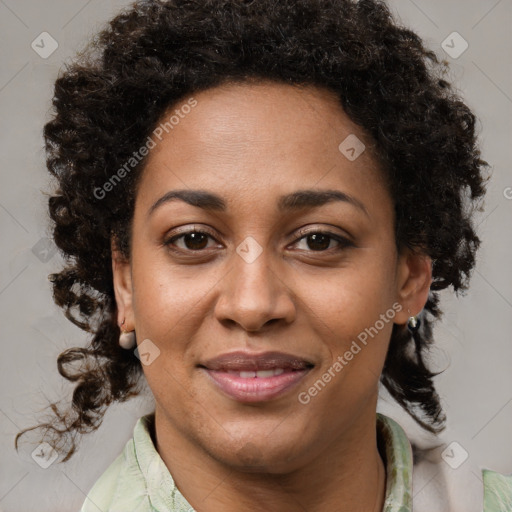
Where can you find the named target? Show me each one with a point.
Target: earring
(127, 338)
(413, 323)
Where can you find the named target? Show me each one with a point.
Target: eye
(193, 240)
(196, 240)
(320, 241)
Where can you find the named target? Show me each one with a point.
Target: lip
(246, 361)
(223, 372)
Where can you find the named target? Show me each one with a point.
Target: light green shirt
(139, 481)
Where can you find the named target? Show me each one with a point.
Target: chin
(257, 455)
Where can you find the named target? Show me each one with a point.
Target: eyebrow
(295, 201)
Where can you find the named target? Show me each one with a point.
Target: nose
(253, 294)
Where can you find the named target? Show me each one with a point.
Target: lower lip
(255, 389)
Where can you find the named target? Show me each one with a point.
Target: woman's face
(254, 279)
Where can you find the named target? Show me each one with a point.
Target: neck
(350, 475)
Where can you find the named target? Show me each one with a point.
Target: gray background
(473, 340)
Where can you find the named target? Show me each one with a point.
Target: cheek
(167, 308)
(352, 313)
(354, 323)
(349, 299)
(171, 305)
(167, 298)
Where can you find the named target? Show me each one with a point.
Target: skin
(251, 143)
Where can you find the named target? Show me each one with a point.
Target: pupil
(315, 238)
(192, 240)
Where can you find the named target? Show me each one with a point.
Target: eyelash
(342, 241)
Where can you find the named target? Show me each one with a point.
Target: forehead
(248, 141)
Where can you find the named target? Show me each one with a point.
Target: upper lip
(245, 361)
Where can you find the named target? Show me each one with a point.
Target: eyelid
(302, 232)
(191, 228)
(179, 232)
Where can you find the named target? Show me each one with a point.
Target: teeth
(265, 373)
(262, 374)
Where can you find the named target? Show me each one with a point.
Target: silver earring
(127, 338)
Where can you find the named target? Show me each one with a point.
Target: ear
(414, 277)
(122, 277)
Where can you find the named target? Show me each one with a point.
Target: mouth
(246, 377)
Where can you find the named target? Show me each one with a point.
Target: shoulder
(498, 491)
(466, 488)
(448, 475)
(122, 484)
(445, 477)
(101, 495)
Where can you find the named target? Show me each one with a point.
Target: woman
(256, 220)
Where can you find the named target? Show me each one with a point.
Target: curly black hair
(109, 99)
